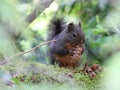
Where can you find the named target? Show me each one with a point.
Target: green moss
(35, 73)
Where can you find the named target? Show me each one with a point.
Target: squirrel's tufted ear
(70, 27)
(79, 24)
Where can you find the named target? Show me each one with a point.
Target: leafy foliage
(100, 23)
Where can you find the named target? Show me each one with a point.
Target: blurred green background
(100, 23)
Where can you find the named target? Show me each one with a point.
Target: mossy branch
(33, 72)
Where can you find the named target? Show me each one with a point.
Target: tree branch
(21, 53)
(41, 6)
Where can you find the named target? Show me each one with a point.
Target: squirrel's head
(74, 33)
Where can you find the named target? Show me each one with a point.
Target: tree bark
(40, 7)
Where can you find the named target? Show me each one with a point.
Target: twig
(21, 53)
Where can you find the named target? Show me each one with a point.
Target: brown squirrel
(68, 48)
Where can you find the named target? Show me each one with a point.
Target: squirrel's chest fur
(67, 60)
(71, 59)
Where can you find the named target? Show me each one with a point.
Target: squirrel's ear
(79, 24)
(70, 27)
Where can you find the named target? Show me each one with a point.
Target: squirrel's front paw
(75, 50)
(74, 54)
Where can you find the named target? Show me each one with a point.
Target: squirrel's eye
(74, 35)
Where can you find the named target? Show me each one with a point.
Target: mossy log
(37, 73)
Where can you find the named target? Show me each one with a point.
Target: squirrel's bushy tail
(55, 27)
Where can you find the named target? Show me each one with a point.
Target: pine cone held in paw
(76, 52)
(72, 59)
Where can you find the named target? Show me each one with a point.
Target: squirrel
(68, 48)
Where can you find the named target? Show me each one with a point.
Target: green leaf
(99, 31)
